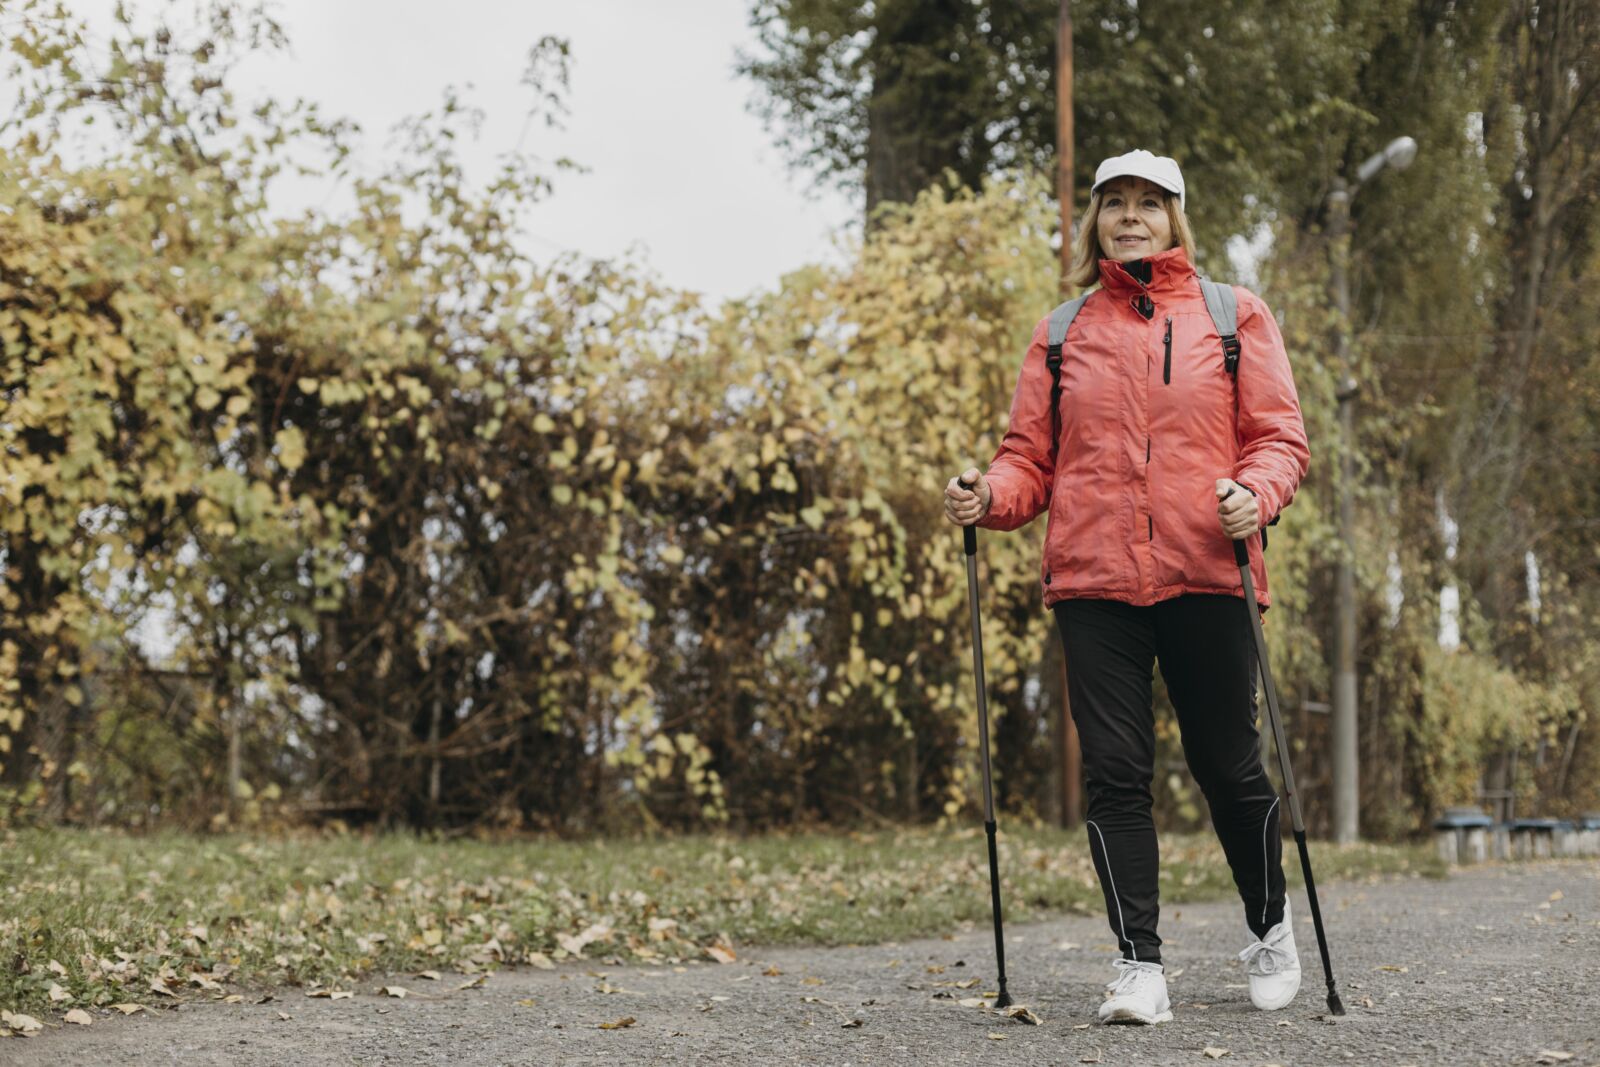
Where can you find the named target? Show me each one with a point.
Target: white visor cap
(1163, 170)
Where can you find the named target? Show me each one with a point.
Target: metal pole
(1241, 556)
(969, 540)
(1346, 770)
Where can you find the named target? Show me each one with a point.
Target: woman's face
(1133, 222)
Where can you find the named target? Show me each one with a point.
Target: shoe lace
(1130, 975)
(1262, 957)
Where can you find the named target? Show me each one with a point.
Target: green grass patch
(91, 918)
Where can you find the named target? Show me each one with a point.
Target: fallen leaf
(476, 983)
(813, 981)
(527, 1002)
(1021, 1014)
(57, 994)
(233, 998)
(853, 1024)
(341, 994)
(541, 961)
(1212, 1052)
(1550, 1055)
(395, 991)
(158, 986)
(26, 1025)
(432, 975)
(995, 1037)
(721, 953)
(973, 1002)
(128, 1009)
(1098, 1055)
(1557, 895)
(772, 972)
(967, 983)
(284, 1016)
(1081, 1026)
(79, 1017)
(625, 1021)
(575, 944)
(1392, 967)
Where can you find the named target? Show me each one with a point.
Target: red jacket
(1133, 505)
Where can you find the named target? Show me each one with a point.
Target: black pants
(1208, 660)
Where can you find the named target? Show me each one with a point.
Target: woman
(1163, 458)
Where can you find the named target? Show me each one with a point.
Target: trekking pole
(1241, 555)
(969, 537)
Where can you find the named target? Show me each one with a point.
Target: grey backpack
(1220, 301)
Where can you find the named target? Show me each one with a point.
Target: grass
(110, 918)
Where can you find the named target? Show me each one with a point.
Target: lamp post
(1398, 155)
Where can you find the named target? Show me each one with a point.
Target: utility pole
(1064, 192)
(1069, 756)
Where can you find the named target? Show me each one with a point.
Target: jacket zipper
(1166, 368)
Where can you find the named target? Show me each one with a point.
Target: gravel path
(1496, 965)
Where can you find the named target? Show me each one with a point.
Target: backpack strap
(1224, 307)
(1060, 320)
(1223, 303)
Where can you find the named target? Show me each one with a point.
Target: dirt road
(1496, 965)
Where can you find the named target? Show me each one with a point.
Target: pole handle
(1241, 551)
(969, 535)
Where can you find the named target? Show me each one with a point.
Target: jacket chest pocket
(1193, 397)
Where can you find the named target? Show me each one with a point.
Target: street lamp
(1397, 155)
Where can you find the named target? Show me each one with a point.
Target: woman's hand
(1236, 509)
(964, 507)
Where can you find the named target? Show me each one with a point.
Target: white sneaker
(1274, 966)
(1138, 995)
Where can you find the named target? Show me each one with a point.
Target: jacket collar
(1170, 272)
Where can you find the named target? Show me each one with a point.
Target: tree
(1243, 93)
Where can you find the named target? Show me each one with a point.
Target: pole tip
(1004, 1000)
(1335, 1005)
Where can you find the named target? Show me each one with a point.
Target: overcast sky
(678, 164)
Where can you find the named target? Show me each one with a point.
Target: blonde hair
(1086, 250)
